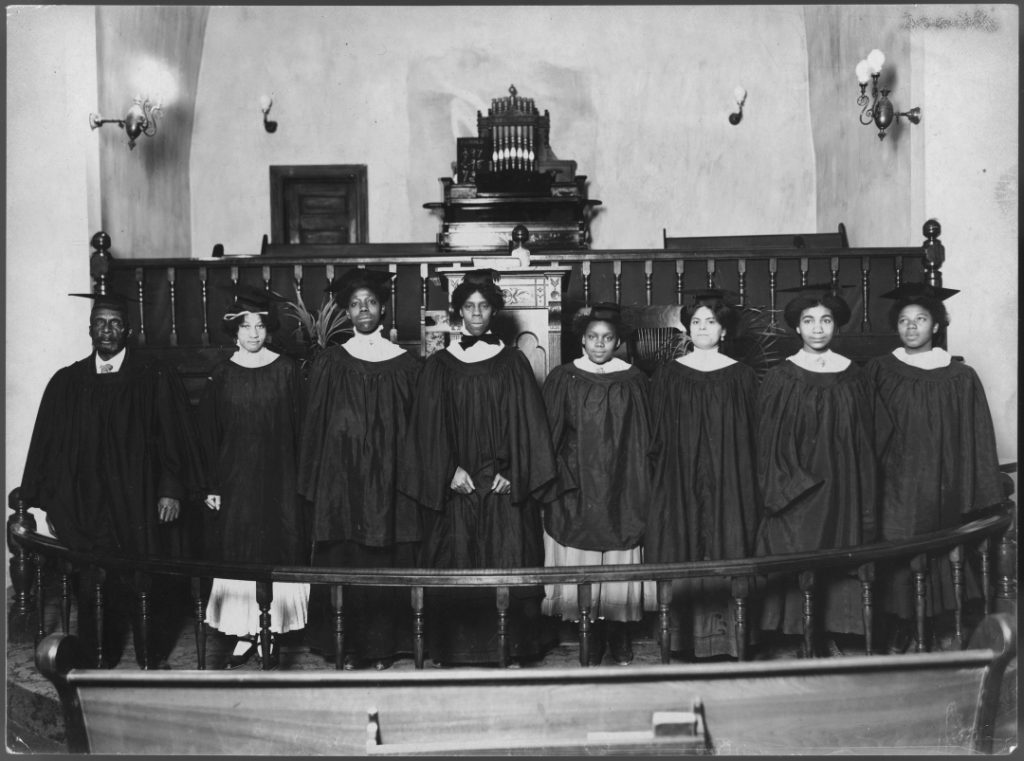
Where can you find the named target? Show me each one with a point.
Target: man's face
(108, 330)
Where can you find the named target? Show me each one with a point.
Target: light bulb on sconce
(740, 95)
(265, 103)
(139, 120)
(877, 109)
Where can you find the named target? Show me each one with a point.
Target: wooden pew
(939, 703)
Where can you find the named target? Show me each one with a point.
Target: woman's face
(476, 314)
(816, 328)
(917, 328)
(600, 341)
(365, 310)
(252, 333)
(704, 329)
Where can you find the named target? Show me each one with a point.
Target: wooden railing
(180, 300)
(989, 535)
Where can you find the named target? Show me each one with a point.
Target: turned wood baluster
(234, 276)
(710, 280)
(585, 272)
(65, 597)
(98, 576)
(648, 280)
(866, 574)
(393, 309)
(502, 599)
(171, 277)
(806, 584)
(956, 562)
(140, 289)
(617, 270)
(897, 263)
(1006, 563)
(740, 592)
(773, 272)
(805, 265)
(834, 279)
(918, 570)
(142, 587)
(584, 598)
(264, 597)
(297, 277)
(99, 261)
(22, 566)
(204, 338)
(199, 611)
(741, 276)
(680, 275)
(266, 278)
(986, 573)
(424, 290)
(865, 288)
(338, 605)
(933, 253)
(40, 602)
(664, 620)
(417, 626)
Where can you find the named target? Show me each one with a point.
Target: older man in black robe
(112, 458)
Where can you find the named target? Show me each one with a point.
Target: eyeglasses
(99, 323)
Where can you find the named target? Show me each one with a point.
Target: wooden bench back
(939, 702)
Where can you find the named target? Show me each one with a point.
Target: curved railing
(990, 535)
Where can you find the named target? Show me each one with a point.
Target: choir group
(461, 461)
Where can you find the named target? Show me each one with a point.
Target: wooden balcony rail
(993, 530)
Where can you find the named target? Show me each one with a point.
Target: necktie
(487, 338)
(107, 368)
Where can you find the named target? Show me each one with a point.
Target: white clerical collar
(115, 362)
(826, 362)
(372, 347)
(924, 360)
(705, 360)
(613, 365)
(260, 358)
(478, 352)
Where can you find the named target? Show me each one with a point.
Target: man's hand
(461, 482)
(501, 484)
(213, 501)
(168, 509)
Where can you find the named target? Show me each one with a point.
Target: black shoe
(899, 638)
(383, 664)
(237, 661)
(597, 643)
(834, 651)
(619, 643)
(350, 663)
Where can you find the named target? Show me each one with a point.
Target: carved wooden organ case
(507, 176)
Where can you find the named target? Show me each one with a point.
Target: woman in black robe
(936, 448)
(478, 455)
(600, 427)
(360, 395)
(250, 414)
(705, 503)
(816, 468)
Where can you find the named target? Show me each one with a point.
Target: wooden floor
(35, 724)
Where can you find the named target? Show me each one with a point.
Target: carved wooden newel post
(23, 568)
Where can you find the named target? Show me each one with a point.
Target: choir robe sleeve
(181, 462)
(427, 462)
(210, 432)
(556, 400)
(781, 477)
(47, 466)
(533, 460)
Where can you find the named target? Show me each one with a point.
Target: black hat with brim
(919, 290)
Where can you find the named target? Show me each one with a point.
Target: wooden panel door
(324, 205)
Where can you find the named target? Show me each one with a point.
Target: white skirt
(615, 601)
(233, 609)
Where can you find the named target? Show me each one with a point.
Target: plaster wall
(52, 208)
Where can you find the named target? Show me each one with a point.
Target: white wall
(52, 206)
(971, 131)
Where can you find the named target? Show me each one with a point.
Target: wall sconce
(140, 120)
(878, 109)
(265, 103)
(741, 96)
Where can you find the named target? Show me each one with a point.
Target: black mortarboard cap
(248, 298)
(917, 290)
(353, 279)
(107, 300)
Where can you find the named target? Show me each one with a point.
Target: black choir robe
(601, 432)
(356, 424)
(250, 419)
(705, 503)
(487, 417)
(938, 464)
(817, 473)
(105, 448)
